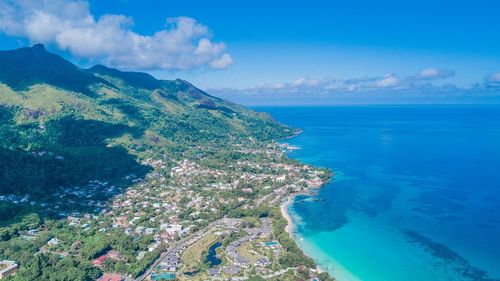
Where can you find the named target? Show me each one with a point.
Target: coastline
(285, 206)
(360, 247)
(290, 226)
(340, 271)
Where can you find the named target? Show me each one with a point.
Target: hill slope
(104, 163)
(61, 125)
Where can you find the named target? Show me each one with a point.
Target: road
(200, 232)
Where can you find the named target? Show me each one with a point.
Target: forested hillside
(63, 126)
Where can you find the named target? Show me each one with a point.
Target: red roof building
(114, 255)
(100, 260)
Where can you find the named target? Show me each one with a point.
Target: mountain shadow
(66, 165)
(25, 67)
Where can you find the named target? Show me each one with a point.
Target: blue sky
(260, 52)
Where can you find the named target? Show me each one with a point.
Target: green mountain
(25, 67)
(94, 161)
(63, 126)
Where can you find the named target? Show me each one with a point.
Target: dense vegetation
(52, 135)
(62, 127)
(28, 66)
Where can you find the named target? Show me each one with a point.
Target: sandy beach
(290, 227)
(284, 212)
(341, 273)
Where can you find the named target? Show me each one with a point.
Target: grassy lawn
(244, 250)
(194, 254)
(197, 277)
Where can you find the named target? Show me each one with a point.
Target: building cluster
(7, 268)
(178, 206)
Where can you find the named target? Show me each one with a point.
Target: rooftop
(6, 265)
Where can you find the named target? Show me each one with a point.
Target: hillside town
(115, 175)
(188, 220)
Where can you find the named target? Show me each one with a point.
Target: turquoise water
(416, 195)
(271, 243)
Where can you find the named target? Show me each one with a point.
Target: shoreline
(285, 213)
(290, 226)
(340, 271)
(285, 207)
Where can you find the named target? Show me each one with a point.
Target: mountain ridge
(49, 104)
(99, 160)
(27, 66)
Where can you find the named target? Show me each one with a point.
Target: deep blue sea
(416, 192)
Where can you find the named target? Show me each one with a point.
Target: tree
(323, 276)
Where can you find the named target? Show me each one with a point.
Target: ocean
(415, 196)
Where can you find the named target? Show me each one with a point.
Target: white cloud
(183, 44)
(495, 77)
(493, 80)
(429, 72)
(383, 89)
(301, 85)
(225, 61)
(433, 73)
(268, 86)
(389, 81)
(301, 82)
(308, 90)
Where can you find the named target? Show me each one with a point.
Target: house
(232, 270)
(7, 268)
(120, 222)
(100, 260)
(111, 277)
(76, 245)
(170, 262)
(53, 242)
(212, 272)
(281, 178)
(141, 255)
(153, 246)
(72, 220)
(241, 261)
(171, 229)
(114, 255)
(262, 262)
(149, 231)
